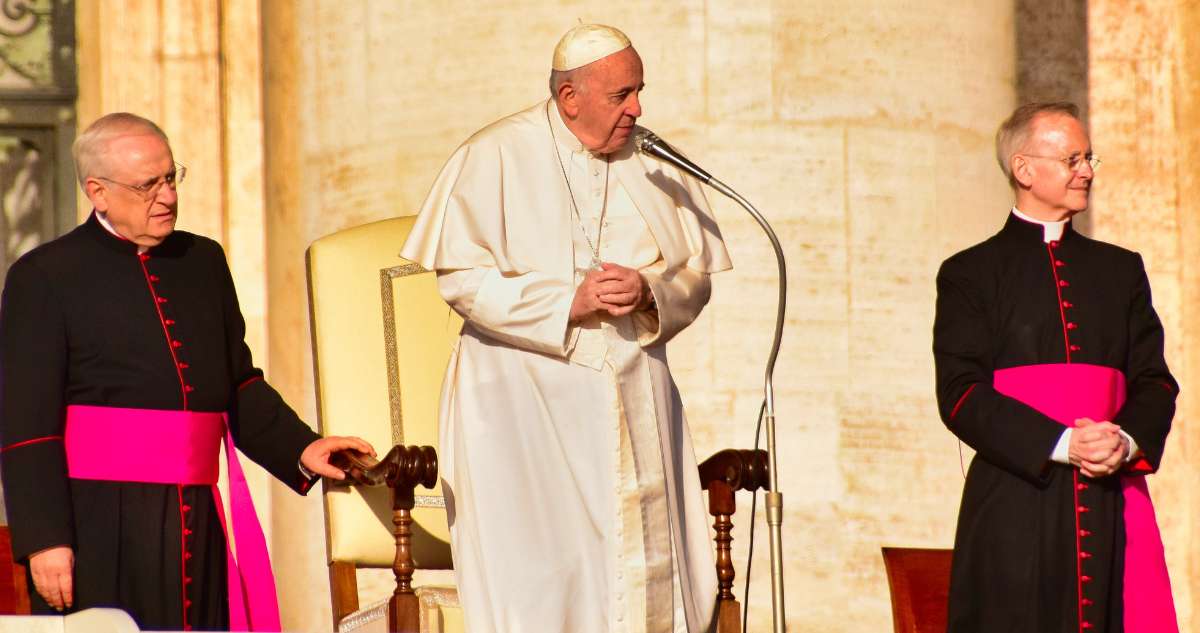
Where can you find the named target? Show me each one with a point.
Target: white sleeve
(530, 310)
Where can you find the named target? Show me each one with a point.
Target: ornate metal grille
(37, 123)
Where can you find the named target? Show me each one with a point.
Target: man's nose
(635, 106)
(166, 194)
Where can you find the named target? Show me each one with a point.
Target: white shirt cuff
(1061, 453)
(1133, 447)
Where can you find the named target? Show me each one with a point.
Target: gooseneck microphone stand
(647, 142)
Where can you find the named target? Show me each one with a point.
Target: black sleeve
(33, 368)
(1002, 430)
(264, 427)
(1150, 388)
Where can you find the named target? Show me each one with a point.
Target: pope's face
(1055, 188)
(607, 105)
(133, 191)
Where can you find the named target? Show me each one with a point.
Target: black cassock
(1013, 301)
(86, 320)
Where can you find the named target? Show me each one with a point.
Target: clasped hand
(614, 289)
(1097, 448)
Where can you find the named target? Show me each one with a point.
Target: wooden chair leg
(721, 505)
(343, 583)
(404, 610)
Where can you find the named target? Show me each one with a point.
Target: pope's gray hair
(91, 147)
(1014, 133)
(575, 77)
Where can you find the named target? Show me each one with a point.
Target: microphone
(648, 142)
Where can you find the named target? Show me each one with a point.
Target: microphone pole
(649, 143)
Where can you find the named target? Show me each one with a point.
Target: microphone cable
(753, 509)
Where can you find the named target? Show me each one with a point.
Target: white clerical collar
(100, 217)
(1052, 231)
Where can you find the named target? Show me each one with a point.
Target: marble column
(1144, 66)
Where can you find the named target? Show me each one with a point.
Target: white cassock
(567, 464)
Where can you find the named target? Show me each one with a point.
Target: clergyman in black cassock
(1041, 539)
(99, 318)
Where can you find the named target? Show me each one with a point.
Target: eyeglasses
(1074, 163)
(149, 191)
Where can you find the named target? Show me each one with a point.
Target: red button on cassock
(186, 508)
(189, 388)
(184, 365)
(1087, 603)
(1071, 326)
(1084, 555)
(1075, 348)
(169, 321)
(1081, 509)
(1085, 533)
(1054, 244)
(1081, 486)
(162, 299)
(153, 277)
(188, 556)
(1059, 262)
(1063, 283)
(1068, 304)
(1085, 579)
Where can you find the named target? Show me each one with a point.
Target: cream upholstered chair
(382, 337)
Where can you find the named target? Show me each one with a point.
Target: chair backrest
(919, 580)
(14, 590)
(382, 337)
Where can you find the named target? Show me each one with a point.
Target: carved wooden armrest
(738, 469)
(402, 469)
(722, 475)
(403, 466)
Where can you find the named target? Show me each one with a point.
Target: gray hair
(1014, 133)
(575, 76)
(91, 147)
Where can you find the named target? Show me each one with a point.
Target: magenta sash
(1066, 392)
(181, 447)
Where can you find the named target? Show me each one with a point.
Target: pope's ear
(568, 99)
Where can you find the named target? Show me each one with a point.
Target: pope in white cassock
(568, 467)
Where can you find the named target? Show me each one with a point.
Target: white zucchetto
(587, 43)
